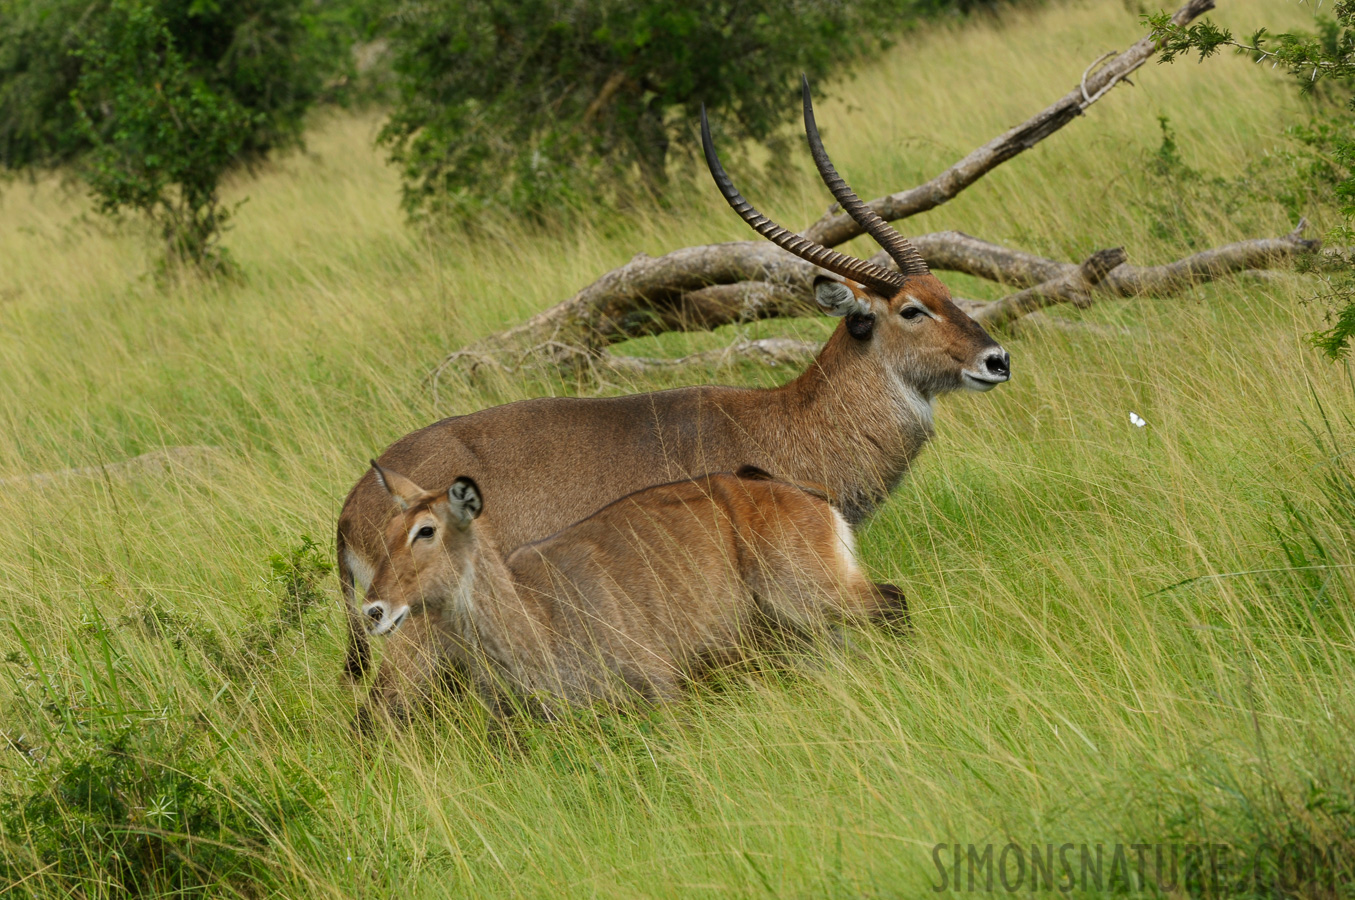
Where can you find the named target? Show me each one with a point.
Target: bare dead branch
(700, 288)
(156, 462)
(645, 296)
(836, 228)
(954, 251)
(1073, 287)
(1207, 265)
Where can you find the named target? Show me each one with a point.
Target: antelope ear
(463, 499)
(404, 492)
(836, 299)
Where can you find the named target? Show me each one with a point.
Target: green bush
(154, 101)
(296, 584)
(533, 104)
(1322, 63)
(120, 796)
(38, 124)
(142, 814)
(160, 138)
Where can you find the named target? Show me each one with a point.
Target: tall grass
(1121, 634)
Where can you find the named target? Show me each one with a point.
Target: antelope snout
(381, 620)
(998, 363)
(992, 368)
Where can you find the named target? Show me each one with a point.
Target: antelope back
(697, 561)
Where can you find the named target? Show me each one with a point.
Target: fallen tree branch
(691, 289)
(836, 228)
(645, 297)
(1073, 287)
(1259, 253)
(775, 352)
(156, 462)
(954, 251)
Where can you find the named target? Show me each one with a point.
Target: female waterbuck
(853, 421)
(645, 594)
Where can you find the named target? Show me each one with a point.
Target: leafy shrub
(155, 100)
(531, 104)
(160, 139)
(143, 815)
(119, 798)
(38, 71)
(296, 583)
(1321, 62)
(1295, 178)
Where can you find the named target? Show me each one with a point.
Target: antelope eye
(910, 312)
(426, 531)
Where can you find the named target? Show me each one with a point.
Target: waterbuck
(642, 596)
(853, 421)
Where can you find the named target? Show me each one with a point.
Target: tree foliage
(160, 139)
(529, 103)
(154, 101)
(1322, 60)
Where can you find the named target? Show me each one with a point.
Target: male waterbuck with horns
(853, 421)
(646, 594)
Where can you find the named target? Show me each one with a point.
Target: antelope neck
(855, 421)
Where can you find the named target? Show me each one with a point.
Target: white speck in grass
(1136, 420)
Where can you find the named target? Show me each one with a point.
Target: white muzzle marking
(383, 620)
(975, 382)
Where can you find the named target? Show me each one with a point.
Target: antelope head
(906, 317)
(429, 544)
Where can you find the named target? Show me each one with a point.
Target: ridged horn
(881, 279)
(896, 245)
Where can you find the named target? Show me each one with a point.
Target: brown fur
(642, 596)
(852, 422)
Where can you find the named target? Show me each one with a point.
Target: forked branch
(1073, 287)
(836, 228)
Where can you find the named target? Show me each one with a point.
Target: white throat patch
(912, 400)
(846, 543)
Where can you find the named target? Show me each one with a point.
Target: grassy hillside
(1113, 643)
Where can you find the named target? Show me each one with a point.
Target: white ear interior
(835, 298)
(381, 480)
(465, 500)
